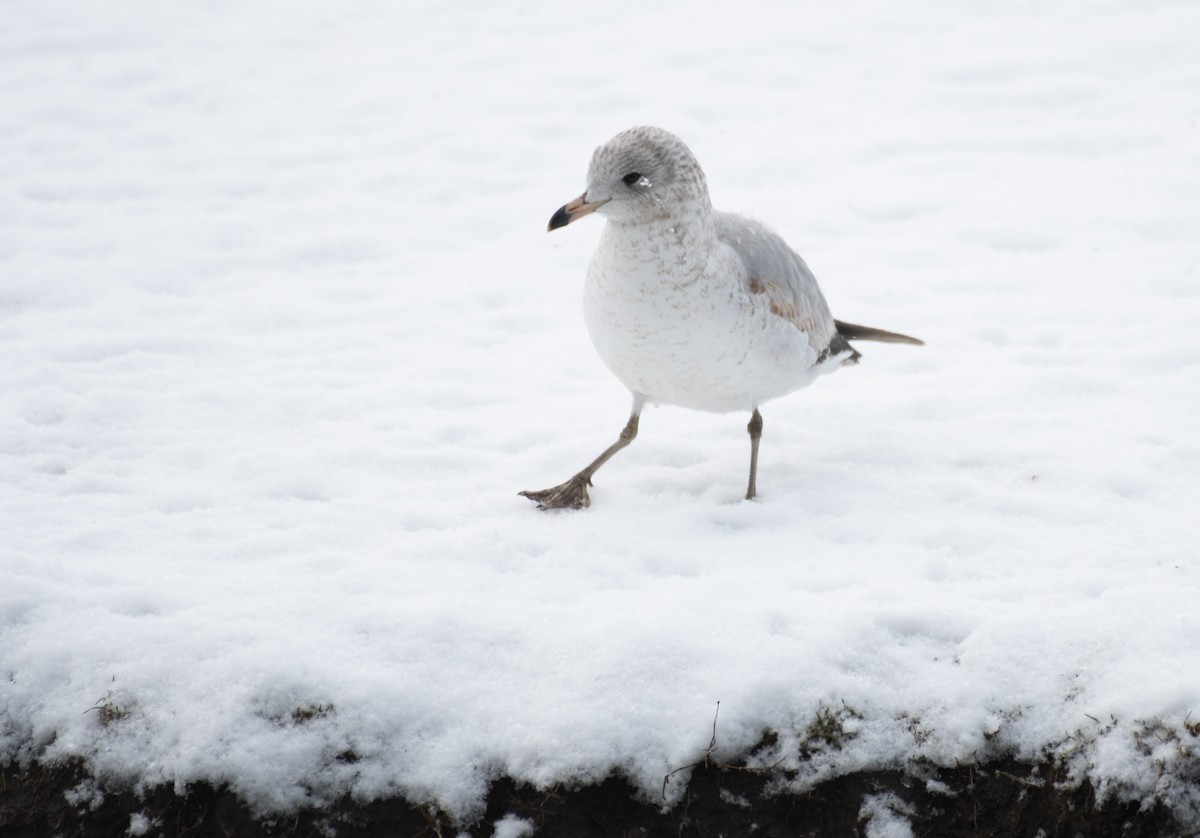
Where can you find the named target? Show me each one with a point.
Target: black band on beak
(561, 218)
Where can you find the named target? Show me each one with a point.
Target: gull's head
(639, 175)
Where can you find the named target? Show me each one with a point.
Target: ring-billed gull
(690, 306)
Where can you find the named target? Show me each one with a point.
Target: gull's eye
(632, 178)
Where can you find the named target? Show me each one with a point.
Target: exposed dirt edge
(1001, 798)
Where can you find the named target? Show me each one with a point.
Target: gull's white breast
(670, 312)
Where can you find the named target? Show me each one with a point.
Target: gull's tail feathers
(852, 332)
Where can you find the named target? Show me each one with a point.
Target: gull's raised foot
(570, 495)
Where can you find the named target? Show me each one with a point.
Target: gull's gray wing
(774, 269)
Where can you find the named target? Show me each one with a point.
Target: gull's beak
(572, 210)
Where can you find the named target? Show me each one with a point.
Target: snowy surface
(283, 335)
(884, 816)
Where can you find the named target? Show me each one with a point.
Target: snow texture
(283, 335)
(139, 824)
(886, 816)
(511, 826)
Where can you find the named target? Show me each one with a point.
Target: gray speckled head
(644, 174)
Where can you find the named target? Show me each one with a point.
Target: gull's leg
(755, 429)
(573, 494)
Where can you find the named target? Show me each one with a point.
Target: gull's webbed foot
(570, 495)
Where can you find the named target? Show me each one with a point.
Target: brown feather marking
(783, 304)
(852, 331)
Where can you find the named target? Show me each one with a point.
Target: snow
(885, 816)
(139, 824)
(283, 335)
(511, 826)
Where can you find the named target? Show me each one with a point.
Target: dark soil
(1002, 798)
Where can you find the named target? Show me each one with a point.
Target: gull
(693, 307)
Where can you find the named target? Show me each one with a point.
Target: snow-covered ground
(283, 335)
